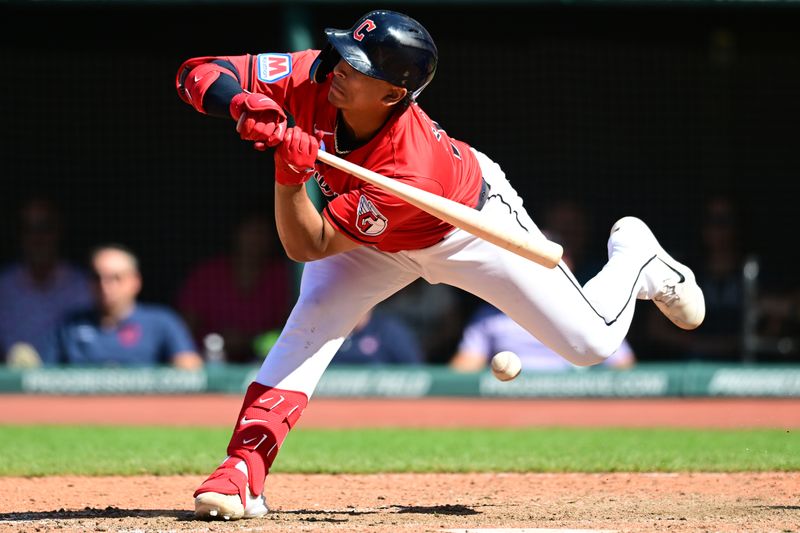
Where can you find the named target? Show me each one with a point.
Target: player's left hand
(295, 157)
(258, 118)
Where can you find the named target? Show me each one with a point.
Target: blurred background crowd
(132, 234)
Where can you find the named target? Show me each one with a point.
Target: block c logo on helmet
(364, 27)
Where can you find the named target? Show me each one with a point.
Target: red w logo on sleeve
(273, 67)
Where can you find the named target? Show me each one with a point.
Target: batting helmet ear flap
(323, 64)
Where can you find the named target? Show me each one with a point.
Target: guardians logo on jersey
(369, 220)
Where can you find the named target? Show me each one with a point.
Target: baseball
(506, 365)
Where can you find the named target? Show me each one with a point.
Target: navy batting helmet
(385, 45)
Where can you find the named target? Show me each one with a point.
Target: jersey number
(437, 132)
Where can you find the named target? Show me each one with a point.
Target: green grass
(104, 450)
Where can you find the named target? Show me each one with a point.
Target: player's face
(352, 90)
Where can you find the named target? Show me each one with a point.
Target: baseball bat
(539, 250)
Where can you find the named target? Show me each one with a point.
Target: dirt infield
(221, 410)
(420, 502)
(416, 502)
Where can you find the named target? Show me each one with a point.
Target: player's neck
(362, 126)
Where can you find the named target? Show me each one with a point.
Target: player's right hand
(258, 118)
(295, 157)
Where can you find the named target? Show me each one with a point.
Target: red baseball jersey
(410, 147)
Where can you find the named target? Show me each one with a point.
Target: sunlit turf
(108, 450)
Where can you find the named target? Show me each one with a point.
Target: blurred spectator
(380, 339)
(240, 294)
(39, 289)
(722, 253)
(747, 315)
(775, 332)
(118, 330)
(721, 258)
(567, 221)
(490, 331)
(434, 312)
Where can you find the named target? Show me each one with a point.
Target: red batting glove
(295, 157)
(258, 118)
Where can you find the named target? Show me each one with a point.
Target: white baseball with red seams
(506, 365)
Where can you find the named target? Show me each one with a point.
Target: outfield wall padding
(644, 381)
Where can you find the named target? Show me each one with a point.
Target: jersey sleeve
(285, 79)
(369, 214)
(59, 346)
(208, 83)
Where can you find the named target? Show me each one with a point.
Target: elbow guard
(208, 85)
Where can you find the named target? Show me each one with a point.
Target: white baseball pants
(583, 324)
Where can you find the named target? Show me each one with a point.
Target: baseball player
(357, 98)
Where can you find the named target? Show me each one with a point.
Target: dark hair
(48, 202)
